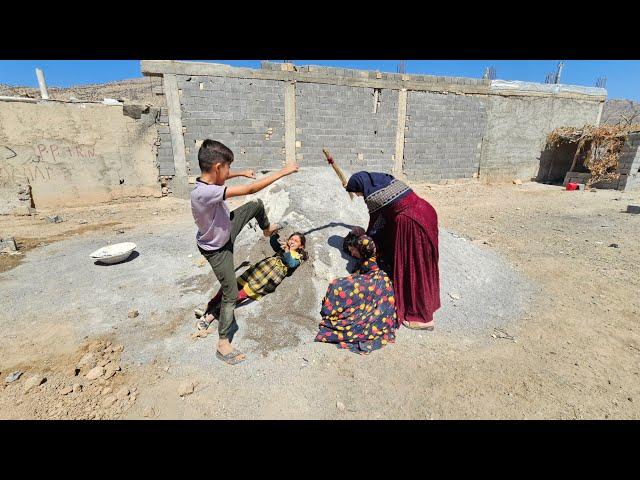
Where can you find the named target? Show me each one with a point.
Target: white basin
(114, 253)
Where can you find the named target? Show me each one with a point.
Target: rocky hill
(616, 111)
(135, 89)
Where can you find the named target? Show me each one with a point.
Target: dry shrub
(605, 144)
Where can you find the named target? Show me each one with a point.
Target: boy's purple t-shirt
(211, 215)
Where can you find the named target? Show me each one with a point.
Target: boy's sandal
(231, 358)
(202, 324)
(281, 225)
(428, 329)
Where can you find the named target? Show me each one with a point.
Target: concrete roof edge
(546, 89)
(391, 81)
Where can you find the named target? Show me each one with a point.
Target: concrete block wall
(165, 150)
(342, 119)
(247, 115)
(630, 163)
(443, 135)
(455, 127)
(516, 132)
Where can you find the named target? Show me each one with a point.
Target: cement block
(8, 244)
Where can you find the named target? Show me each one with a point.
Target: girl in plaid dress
(263, 277)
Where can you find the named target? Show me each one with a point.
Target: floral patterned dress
(358, 311)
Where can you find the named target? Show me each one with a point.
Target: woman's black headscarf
(379, 189)
(368, 182)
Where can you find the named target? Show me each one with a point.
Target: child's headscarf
(363, 243)
(366, 246)
(351, 238)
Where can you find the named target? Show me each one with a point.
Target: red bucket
(572, 186)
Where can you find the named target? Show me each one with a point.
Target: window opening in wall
(376, 99)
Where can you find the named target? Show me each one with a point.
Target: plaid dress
(358, 311)
(264, 277)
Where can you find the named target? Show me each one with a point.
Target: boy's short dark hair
(212, 152)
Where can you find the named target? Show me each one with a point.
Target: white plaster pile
(479, 290)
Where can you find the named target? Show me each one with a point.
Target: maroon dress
(406, 232)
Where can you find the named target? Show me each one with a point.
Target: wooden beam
(554, 155)
(180, 181)
(398, 166)
(290, 122)
(575, 157)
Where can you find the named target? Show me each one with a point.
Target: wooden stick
(575, 157)
(336, 169)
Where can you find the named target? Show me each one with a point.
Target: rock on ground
(66, 390)
(95, 373)
(186, 388)
(33, 382)
(12, 377)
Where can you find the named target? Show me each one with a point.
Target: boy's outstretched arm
(240, 190)
(241, 173)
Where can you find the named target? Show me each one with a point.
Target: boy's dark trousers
(221, 262)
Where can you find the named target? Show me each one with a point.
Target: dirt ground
(574, 354)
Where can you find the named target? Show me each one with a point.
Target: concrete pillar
(290, 122)
(600, 108)
(181, 187)
(42, 84)
(402, 119)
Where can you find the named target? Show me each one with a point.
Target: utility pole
(559, 73)
(489, 73)
(43, 86)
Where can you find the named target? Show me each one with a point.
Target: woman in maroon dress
(405, 229)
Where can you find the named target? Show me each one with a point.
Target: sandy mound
(479, 290)
(168, 279)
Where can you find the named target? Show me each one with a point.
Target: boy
(218, 229)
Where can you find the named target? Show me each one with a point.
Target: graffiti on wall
(57, 152)
(38, 163)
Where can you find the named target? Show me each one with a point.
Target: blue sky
(623, 76)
